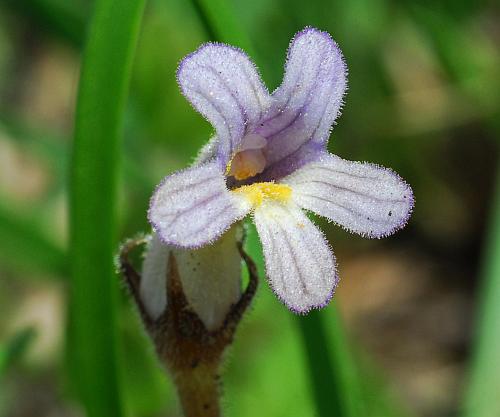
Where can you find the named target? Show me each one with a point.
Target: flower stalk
(192, 354)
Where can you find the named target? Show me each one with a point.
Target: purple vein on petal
(350, 190)
(180, 213)
(209, 220)
(348, 209)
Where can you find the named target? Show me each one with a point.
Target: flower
(268, 158)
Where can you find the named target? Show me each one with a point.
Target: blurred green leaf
(97, 152)
(378, 397)
(63, 18)
(221, 23)
(267, 363)
(12, 350)
(449, 37)
(482, 398)
(24, 245)
(44, 145)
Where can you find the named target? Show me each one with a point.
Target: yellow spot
(228, 167)
(260, 191)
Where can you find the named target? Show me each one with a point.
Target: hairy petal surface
(364, 198)
(307, 153)
(299, 263)
(193, 207)
(223, 84)
(207, 152)
(310, 97)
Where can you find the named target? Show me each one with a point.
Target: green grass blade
(332, 370)
(96, 157)
(221, 23)
(482, 397)
(14, 349)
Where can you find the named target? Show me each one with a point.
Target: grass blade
(333, 374)
(96, 157)
(482, 395)
(221, 24)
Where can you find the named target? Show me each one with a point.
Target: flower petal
(207, 152)
(306, 153)
(193, 207)
(364, 198)
(310, 97)
(223, 84)
(299, 263)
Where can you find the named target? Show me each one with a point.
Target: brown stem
(191, 353)
(198, 390)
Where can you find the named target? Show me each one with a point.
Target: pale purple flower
(268, 158)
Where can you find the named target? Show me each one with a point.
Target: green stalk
(333, 373)
(221, 23)
(482, 396)
(102, 96)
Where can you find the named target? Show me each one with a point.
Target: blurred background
(423, 99)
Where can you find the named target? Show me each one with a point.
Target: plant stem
(221, 23)
(191, 353)
(198, 390)
(332, 369)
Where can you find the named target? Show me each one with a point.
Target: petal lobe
(364, 198)
(299, 263)
(310, 97)
(223, 84)
(193, 207)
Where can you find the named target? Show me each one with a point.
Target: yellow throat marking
(260, 191)
(228, 167)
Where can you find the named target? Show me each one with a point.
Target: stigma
(250, 160)
(258, 192)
